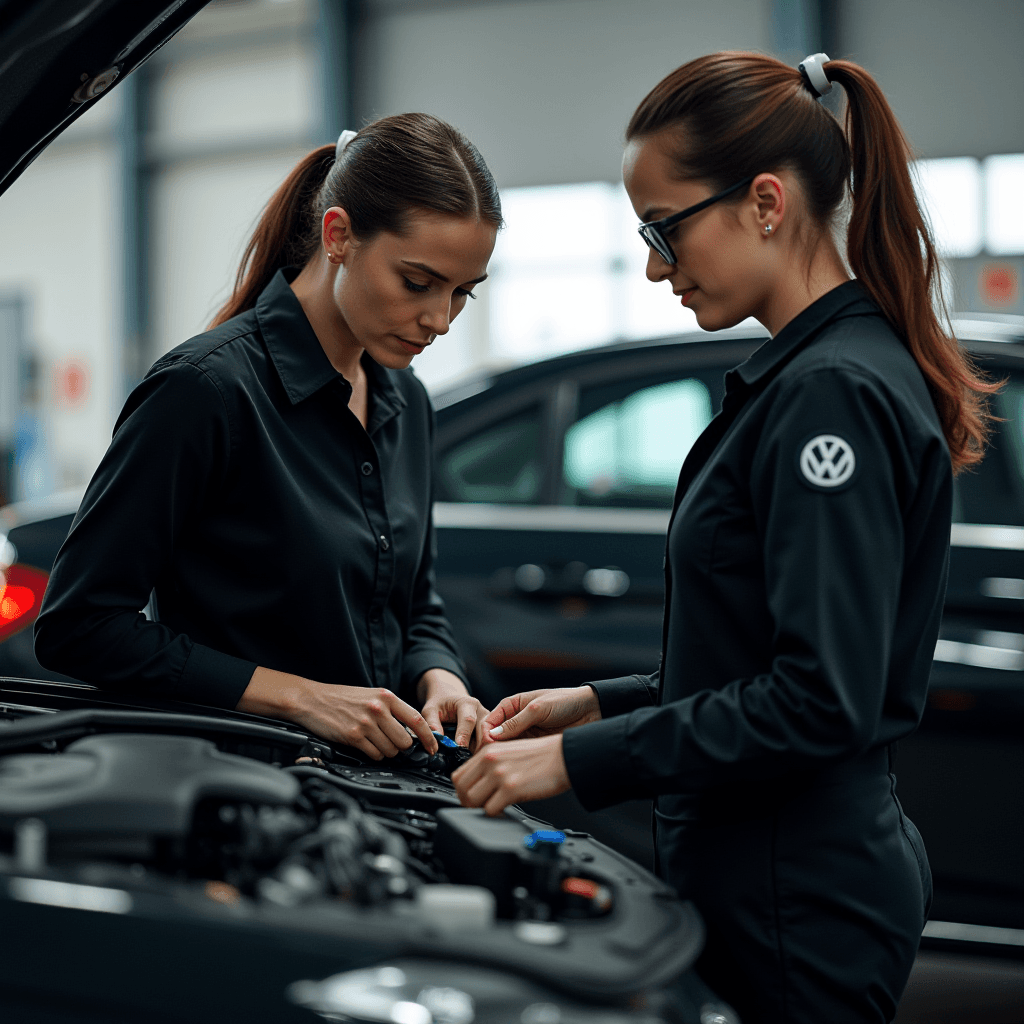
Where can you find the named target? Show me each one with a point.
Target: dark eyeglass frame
(653, 232)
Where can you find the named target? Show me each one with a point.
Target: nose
(437, 317)
(657, 269)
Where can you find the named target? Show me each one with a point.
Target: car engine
(255, 841)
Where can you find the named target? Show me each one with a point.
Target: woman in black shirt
(269, 482)
(807, 548)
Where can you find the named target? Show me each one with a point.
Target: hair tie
(813, 73)
(343, 140)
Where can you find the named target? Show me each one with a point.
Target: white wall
(60, 249)
(544, 88)
(953, 71)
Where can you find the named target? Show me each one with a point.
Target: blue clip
(543, 835)
(444, 741)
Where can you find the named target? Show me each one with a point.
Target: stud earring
(767, 229)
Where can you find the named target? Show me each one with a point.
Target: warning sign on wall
(999, 284)
(71, 382)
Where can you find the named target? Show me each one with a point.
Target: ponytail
(891, 251)
(282, 235)
(388, 169)
(734, 115)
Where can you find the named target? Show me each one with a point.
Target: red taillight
(21, 593)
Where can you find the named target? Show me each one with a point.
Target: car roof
(59, 57)
(970, 328)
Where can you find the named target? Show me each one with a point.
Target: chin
(716, 319)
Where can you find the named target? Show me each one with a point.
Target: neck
(314, 288)
(800, 285)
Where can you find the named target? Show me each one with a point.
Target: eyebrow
(437, 274)
(652, 214)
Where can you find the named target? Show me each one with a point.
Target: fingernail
(497, 730)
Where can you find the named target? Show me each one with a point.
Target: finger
(508, 707)
(518, 724)
(432, 716)
(382, 741)
(411, 717)
(481, 735)
(497, 803)
(468, 711)
(363, 744)
(480, 792)
(397, 733)
(466, 775)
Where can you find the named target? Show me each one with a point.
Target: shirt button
(384, 542)
(367, 468)
(375, 615)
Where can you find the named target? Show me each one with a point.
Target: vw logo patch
(827, 461)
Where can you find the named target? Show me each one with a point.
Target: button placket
(372, 491)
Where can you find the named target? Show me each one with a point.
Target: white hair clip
(343, 140)
(814, 75)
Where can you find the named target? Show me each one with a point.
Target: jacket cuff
(597, 761)
(620, 696)
(415, 663)
(214, 679)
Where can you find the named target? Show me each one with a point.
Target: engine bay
(262, 829)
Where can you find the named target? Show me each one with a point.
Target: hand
(371, 719)
(507, 773)
(542, 713)
(444, 698)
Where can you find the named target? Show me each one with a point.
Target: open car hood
(58, 57)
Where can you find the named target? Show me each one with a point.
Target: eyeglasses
(653, 232)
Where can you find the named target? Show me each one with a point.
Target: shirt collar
(299, 358)
(848, 299)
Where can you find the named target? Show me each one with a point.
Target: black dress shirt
(805, 574)
(272, 528)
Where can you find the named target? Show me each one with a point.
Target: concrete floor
(949, 988)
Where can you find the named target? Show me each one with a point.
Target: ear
(769, 195)
(336, 234)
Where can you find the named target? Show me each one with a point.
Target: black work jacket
(805, 574)
(273, 529)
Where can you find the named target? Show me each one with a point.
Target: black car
(166, 862)
(555, 483)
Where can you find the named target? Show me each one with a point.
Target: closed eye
(420, 288)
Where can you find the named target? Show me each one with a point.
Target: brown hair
(734, 115)
(392, 167)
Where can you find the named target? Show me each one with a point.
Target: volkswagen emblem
(827, 461)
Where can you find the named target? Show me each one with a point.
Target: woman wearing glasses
(807, 549)
(270, 480)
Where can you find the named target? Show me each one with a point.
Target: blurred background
(122, 240)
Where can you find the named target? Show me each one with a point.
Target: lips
(413, 346)
(685, 294)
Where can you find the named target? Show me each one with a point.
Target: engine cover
(124, 783)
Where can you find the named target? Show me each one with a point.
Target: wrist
(439, 681)
(592, 704)
(274, 694)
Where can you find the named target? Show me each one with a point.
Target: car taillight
(21, 593)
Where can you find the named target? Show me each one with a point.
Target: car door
(961, 776)
(554, 505)
(555, 499)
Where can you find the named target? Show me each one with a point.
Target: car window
(994, 491)
(628, 452)
(500, 464)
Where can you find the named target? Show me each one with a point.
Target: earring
(767, 229)
(330, 256)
